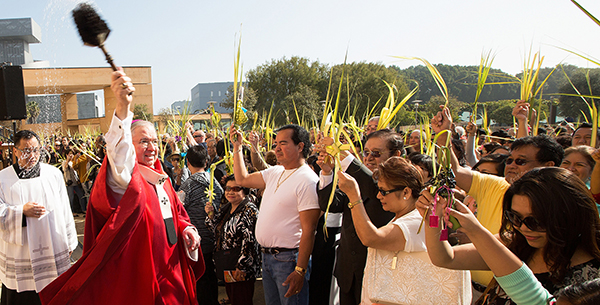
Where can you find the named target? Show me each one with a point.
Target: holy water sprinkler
(92, 29)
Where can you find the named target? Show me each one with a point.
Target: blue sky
(187, 42)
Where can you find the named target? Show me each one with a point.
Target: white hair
(139, 123)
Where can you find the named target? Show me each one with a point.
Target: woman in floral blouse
(233, 227)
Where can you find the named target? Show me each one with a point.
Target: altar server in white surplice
(37, 229)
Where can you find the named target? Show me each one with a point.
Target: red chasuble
(126, 256)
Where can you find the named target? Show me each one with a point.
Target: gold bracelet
(352, 204)
(301, 271)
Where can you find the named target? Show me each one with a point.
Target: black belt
(276, 250)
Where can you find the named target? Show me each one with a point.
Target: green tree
(502, 115)
(164, 114)
(273, 82)
(33, 111)
(461, 82)
(307, 105)
(364, 85)
(140, 112)
(431, 107)
(406, 117)
(501, 111)
(249, 101)
(572, 106)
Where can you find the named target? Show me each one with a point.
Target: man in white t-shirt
(288, 214)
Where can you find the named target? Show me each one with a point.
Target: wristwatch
(301, 271)
(352, 204)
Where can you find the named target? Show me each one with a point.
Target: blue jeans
(276, 268)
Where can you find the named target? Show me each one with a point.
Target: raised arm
(189, 131)
(254, 180)
(470, 151)
(388, 237)
(521, 112)
(122, 88)
(440, 122)
(463, 257)
(516, 278)
(258, 162)
(119, 144)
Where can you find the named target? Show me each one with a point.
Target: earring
(404, 198)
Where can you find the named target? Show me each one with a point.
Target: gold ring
(124, 85)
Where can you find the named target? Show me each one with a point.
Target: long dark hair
(563, 205)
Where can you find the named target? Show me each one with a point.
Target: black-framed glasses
(233, 188)
(29, 151)
(385, 193)
(199, 136)
(529, 221)
(373, 153)
(518, 161)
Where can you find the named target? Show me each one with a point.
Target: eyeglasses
(373, 153)
(198, 136)
(29, 151)
(233, 188)
(385, 193)
(175, 159)
(145, 142)
(529, 221)
(518, 161)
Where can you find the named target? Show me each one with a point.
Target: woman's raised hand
(349, 186)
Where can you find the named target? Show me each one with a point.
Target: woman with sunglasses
(550, 223)
(233, 226)
(399, 184)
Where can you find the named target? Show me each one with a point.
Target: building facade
(203, 95)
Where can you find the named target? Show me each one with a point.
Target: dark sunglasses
(175, 159)
(518, 161)
(374, 154)
(233, 188)
(529, 221)
(385, 193)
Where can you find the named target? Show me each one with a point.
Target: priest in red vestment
(139, 244)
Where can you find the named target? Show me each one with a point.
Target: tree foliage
(307, 84)
(307, 104)
(249, 102)
(461, 82)
(364, 86)
(279, 82)
(432, 107)
(273, 82)
(140, 112)
(164, 114)
(571, 106)
(33, 111)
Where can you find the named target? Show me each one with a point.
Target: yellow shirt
(80, 165)
(488, 191)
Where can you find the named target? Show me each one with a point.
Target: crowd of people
(514, 220)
